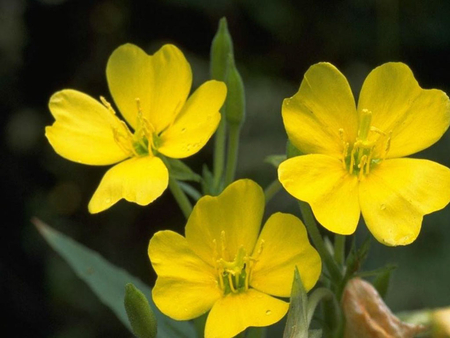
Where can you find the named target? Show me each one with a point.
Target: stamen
(124, 141)
(361, 166)
(107, 105)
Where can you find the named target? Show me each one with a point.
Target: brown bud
(366, 314)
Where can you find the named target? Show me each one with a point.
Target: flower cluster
(353, 160)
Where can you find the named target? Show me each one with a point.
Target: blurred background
(49, 45)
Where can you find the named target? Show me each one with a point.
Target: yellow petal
(161, 82)
(283, 244)
(396, 194)
(323, 105)
(416, 117)
(196, 123)
(186, 286)
(227, 222)
(83, 130)
(140, 180)
(235, 312)
(329, 189)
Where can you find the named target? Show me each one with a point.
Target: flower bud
(366, 314)
(221, 48)
(235, 103)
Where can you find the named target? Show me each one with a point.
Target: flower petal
(161, 82)
(186, 286)
(139, 179)
(416, 117)
(283, 244)
(329, 189)
(83, 130)
(227, 222)
(322, 107)
(396, 194)
(235, 312)
(196, 123)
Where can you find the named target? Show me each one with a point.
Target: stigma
(368, 150)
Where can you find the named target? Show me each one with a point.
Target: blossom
(353, 156)
(151, 92)
(223, 266)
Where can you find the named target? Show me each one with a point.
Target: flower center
(144, 136)
(233, 276)
(369, 149)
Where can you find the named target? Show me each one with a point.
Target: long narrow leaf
(108, 281)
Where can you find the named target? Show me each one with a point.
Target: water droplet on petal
(383, 206)
(183, 130)
(268, 312)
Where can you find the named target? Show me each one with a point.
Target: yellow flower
(151, 92)
(353, 155)
(223, 266)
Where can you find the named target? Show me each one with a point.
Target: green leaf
(381, 282)
(140, 315)
(107, 281)
(297, 322)
(180, 171)
(315, 334)
(275, 160)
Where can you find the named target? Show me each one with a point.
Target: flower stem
(272, 189)
(339, 249)
(219, 153)
(181, 198)
(316, 237)
(232, 154)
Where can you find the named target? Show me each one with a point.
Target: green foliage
(107, 281)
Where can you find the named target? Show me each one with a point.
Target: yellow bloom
(151, 92)
(353, 155)
(223, 266)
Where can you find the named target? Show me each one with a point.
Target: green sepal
(291, 150)
(235, 102)
(221, 47)
(275, 160)
(180, 171)
(140, 315)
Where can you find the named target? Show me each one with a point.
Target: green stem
(180, 197)
(219, 153)
(339, 249)
(232, 154)
(272, 189)
(316, 237)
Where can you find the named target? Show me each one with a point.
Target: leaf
(381, 282)
(107, 281)
(297, 322)
(275, 160)
(140, 315)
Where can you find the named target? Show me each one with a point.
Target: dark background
(50, 45)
